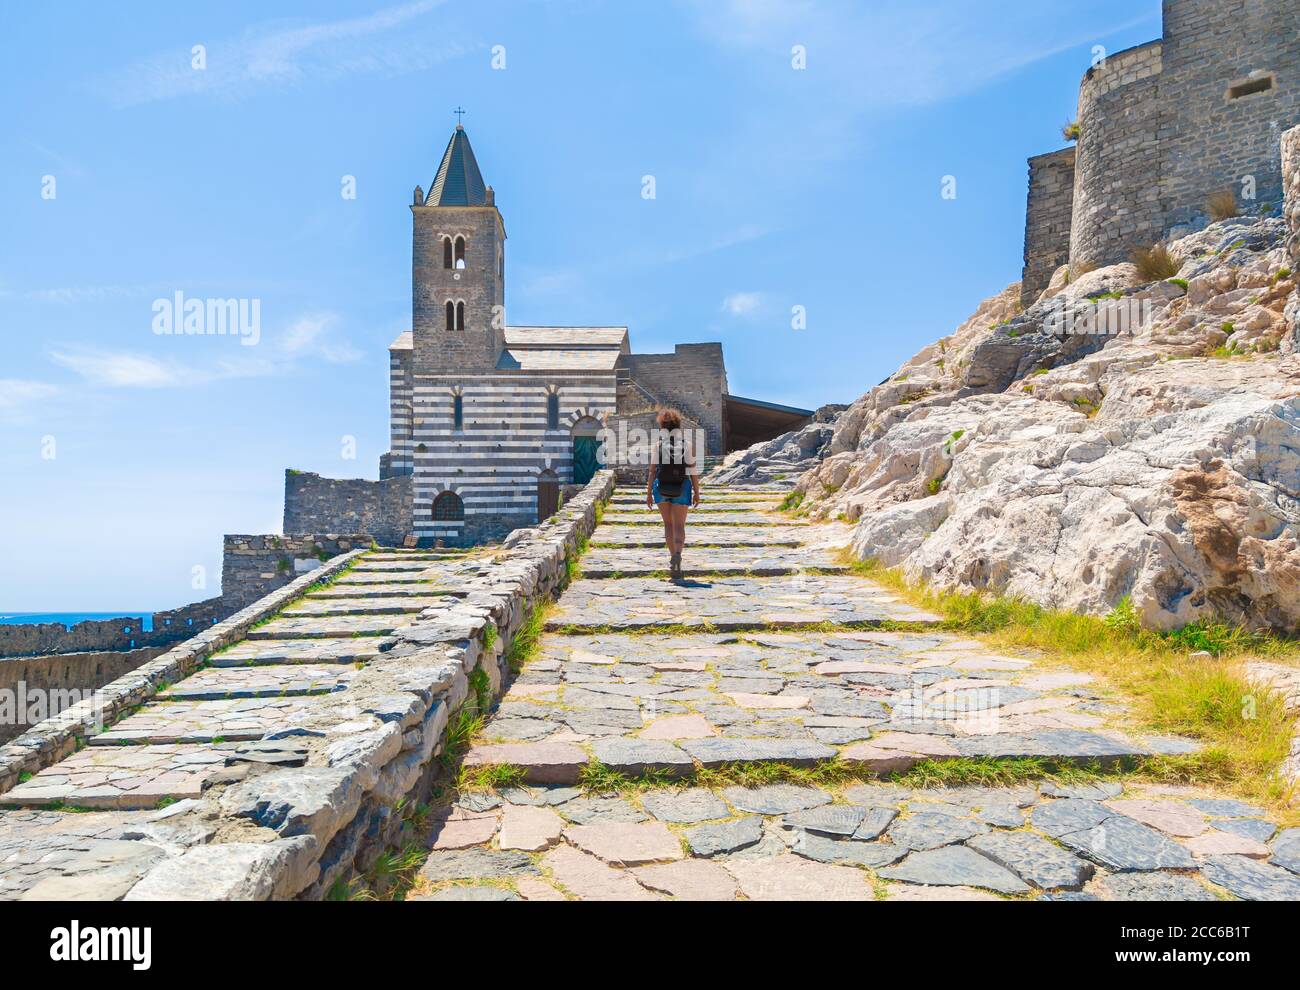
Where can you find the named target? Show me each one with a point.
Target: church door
(585, 464)
(548, 495)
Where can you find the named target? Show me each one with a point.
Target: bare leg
(679, 526)
(670, 526)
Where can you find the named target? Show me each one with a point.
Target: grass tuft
(1222, 205)
(1156, 263)
(1190, 682)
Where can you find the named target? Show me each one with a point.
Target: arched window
(451, 315)
(553, 411)
(457, 412)
(448, 507)
(460, 316)
(446, 252)
(460, 252)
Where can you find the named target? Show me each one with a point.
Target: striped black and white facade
(505, 443)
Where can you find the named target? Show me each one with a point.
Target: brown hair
(669, 419)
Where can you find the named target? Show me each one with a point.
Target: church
(489, 421)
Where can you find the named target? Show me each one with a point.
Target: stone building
(1162, 128)
(490, 420)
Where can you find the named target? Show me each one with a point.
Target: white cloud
(742, 303)
(310, 336)
(17, 394)
(276, 53)
(111, 369)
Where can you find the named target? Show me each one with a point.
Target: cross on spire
(459, 112)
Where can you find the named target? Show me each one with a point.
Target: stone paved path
(800, 666)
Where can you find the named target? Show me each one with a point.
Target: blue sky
(125, 455)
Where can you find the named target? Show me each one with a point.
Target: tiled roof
(459, 182)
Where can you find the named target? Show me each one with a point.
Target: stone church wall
(694, 379)
(379, 509)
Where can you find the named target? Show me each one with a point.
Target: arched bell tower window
(451, 315)
(460, 316)
(448, 507)
(553, 411)
(460, 252)
(446, 252)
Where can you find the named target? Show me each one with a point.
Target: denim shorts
(683, 499)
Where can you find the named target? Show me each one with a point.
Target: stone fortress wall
(59, 676)
(98, 635)
(1164, 126)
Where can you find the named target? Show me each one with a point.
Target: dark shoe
(675, 567)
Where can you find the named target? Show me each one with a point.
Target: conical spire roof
(459, 182)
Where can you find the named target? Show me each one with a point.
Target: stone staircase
(728, 736)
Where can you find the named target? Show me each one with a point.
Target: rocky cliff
(1122, 436)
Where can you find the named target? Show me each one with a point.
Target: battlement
(1164, 126)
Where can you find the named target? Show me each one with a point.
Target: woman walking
(673, 484)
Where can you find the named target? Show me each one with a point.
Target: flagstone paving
(729, 602)
(649, 677)
(641, 675)
(702, 535)
(864, 841)
(603, 562)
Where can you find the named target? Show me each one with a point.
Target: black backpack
(672, 465)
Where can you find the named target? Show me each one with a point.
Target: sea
(72, 618)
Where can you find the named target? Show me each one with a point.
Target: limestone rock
(1026, 456)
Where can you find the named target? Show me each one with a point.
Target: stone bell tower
(457, 268)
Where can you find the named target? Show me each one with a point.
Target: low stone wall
(126, 633)
(254, 566)
(34, 688)
(61, 735)
(325, 798)
(380, 509)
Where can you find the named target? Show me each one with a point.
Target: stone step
(366, 590)
(215, 683)
(354, 649)
(448, 553)
(605, 562)
(356, 579)
(331, 627)
(707, 505)
(730, 603)
(651, 517)
(314, 607)
(230, 720)
(123, 777)
(880, 701)
(697, 535)
(393, 567)
(564, 762)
